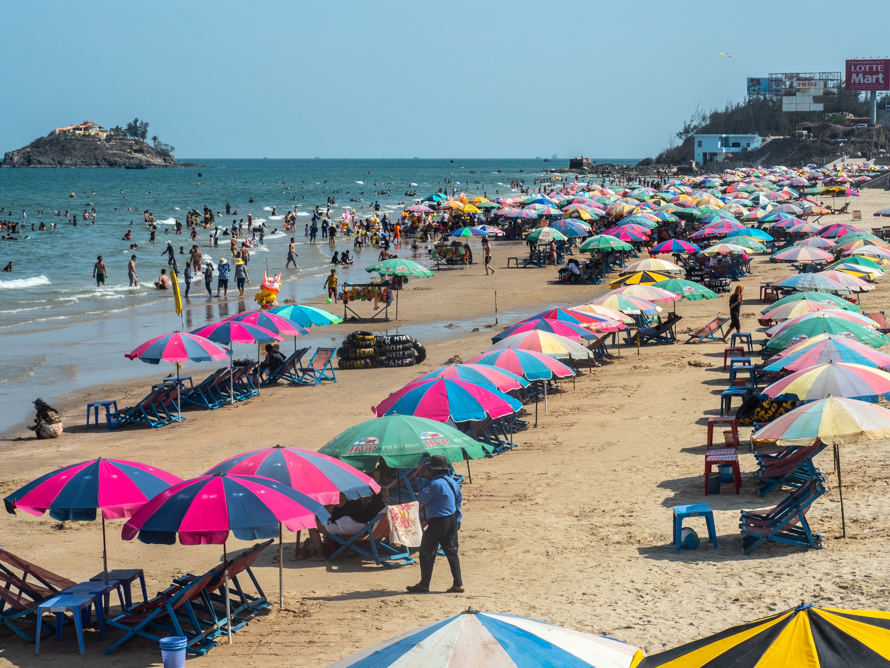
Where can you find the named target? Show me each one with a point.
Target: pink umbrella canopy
(481, 374)
(559, 327)
(836, 379)
(178, 347)
(443, 398)
(802, 255)
(526, 363)
(232, 331)
(850, 316)
(648, 293)
(270, 322)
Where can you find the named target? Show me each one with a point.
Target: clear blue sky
(342, 78)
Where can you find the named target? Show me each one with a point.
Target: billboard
(870, 74)
(758, 86)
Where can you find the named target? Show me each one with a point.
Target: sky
(392, 79)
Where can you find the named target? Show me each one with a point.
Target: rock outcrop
(69, 151)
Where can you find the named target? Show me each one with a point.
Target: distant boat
(134, 166)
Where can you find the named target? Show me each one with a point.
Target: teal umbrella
(604, 242)
(686, 289)
(399, 267)
(816, 296)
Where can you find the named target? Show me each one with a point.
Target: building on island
(720, 148)
(580, 163)
(85, 129)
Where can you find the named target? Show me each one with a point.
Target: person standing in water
(131, 272)
(291, 254)
(208, 278)
(100, 271)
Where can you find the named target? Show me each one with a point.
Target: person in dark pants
(735, 307)
(442, 499)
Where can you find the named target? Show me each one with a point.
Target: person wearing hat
(222, 277)
(47, 424)
(241, 275)
(442, 502)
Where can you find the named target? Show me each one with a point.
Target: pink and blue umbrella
(272, 322)
(306, 316)
(582, 319)
(625, 234)
(675, 246)
(318, 476)
(562, 328)
(526, 363)
(443, 398)
(570, 228)
(468, 232)
(232, 331)
(178, 347)
(480, 374)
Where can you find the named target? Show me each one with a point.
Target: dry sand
(573, 527)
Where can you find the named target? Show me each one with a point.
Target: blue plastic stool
(739, 361)
(78, 605)
(694, 510)
(727, 395)
(742, 336)
(95, 406)
(736, 370)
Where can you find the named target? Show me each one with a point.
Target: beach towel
(404, 524)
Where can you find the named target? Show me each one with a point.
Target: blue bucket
(173, 651)
(688, 541)
(725, 472)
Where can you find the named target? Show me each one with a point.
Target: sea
(60, 332)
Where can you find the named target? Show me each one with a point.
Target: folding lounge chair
(15, 608)
(162, 613)
(712, 331)
(320, 368)
(791, 467)
(153, 411)
(599, 349)
(288, 371)
(244, 382)
(54, 583)
(665, 332)
(373, 542)
(785, 523)
(205, 394)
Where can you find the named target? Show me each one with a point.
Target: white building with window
(719, 148)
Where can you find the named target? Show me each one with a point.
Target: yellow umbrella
(479, 199)
(639, 278)
(710, 201)
(469, 208)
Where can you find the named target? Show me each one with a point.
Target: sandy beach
(573, 527)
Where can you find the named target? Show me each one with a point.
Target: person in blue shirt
(442, 501)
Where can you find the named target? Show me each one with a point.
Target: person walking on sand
(131, 272)
(100, 271)
(486, 255)
(331, 284)
(735, 307)
(442, 500)
(291, 254)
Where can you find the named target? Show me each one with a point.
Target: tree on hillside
(137, 129)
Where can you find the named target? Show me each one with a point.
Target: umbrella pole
(840, 488)
(536, 405)
(178, 398)
(469, 474)
(104, 548)
(546, 410)
(231, 380)
(228, 602)
(280, 569)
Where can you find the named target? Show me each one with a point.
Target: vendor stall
(377, 294)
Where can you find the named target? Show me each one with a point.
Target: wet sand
(573, 527)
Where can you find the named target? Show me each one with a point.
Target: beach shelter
(805, 636)
(589, 319)
(627, 304)
(649, 293)
(206, 510)
(796, 308)
(836, 379)
(442, 399)
(115, 487)
(675, 246)
(480, 374)
(526, 363)
(604, 242)
(272, 322)
(814, 296)
(802, 255)
(546, 234)
(686, 289)
(306, 316)
(828, 348)
(605, 311)
(825, 325)
(496, 641)
(652, 264)
(644, 277)
(543, 342)
(559, 327)
(805, 282)
(320, 477)
(816, 242)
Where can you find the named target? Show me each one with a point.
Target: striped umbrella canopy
(835, 230)
(496, 641)
(828, 348)
(795, 308)
(570, 228)
(560, 327)
(815, 326)
(802, 255)
(652, 264)
(605, 311)
(836, 379)
(644, 277)
(590, 320)
(526, 363)
(685, 289)
(419, 208)
(868, 251)
(725, 249)
(544, 342)
(675, 246)
(399, 267)
(232, 331)
(865, 263)
(624, 234)
(272, 322)
(627, 304)
(833, 420)
(480, 374)
(840, 314)
(468, 232)
(546, 234)
(750, 244)
(805, 282)
(804, 228)
(725, 226)
(847, 280)
(816, 242)
(442, 399)
(805, 636)
(649, 293)
(178, 347)
(306, 316)
(753, 232)
(318, 476)
(604, 242)
(857, 270)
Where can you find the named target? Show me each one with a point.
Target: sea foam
(17, 283)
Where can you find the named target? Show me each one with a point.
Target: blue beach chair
(785, 523)
(320, 368)
(289, 371)
(372, 542)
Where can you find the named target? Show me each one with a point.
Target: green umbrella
(488, 205)
(827, 325)
(546, 234)
(864, 262)
(815, 296)
(604, 242)
(751, 244)
(853, 236)
(686, 289)
(402, 441)
(399, 267)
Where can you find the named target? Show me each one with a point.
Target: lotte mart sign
(873, 74)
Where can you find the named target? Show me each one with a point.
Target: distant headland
(91, 145)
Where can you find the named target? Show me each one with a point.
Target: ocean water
(58, 331)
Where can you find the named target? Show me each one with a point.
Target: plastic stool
(736, 370)
(728, 456)
(727, 395)
(694, 510)
(95, 406)
(730, 421)
(78, 605)
(732, 350)
(742, 336)
(739, 361)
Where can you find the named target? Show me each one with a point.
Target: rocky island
(91, 145)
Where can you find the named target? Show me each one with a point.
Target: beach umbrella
(816, 242)
(804, 636)
(805, 282)
(488, 205)
(546, 234)
(560, 327)
(419, 208)
(804, 228)
(205, 510)
(836, 379)
(652, 264)
(835, 230)
(649, 293)
(840, 314)
(526, 363)
(802, 255)
(272, 322)
(793, 309)
(752, 232)
(306, 316)
(546, 343)
(401, 441)
(320, 477)
(491, 230)
(467, 232)
(590, 320)
(624, 233)
(480, 374)
(883, 212)
(815, 326)
(605, 311)
(73, 493)
(569, 228)
(177, 348)
(814, 296)
(749, 244)
(848, 281)
(686, 289)
(627, 304)
(828, 348)
(604, 242)
(644, 277)
(399, 267)
(675, 246)
(865, 263)
(857, 270)
(881, 254)
(725, 249)
(442, 399)
(435, 197)
(488, 639)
